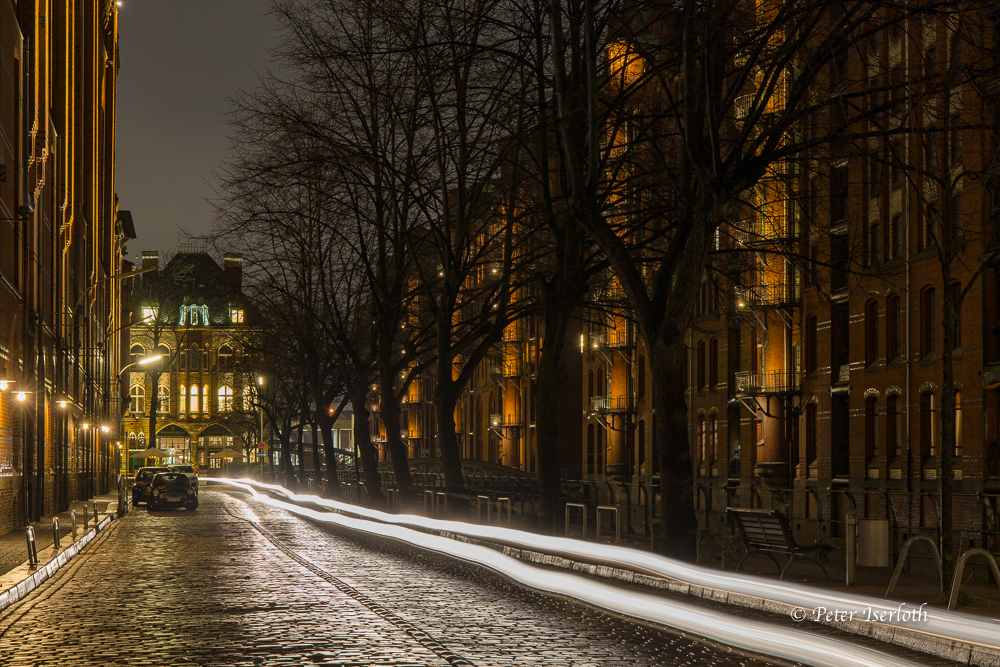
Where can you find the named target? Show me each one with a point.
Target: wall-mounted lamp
(105, 429)
(86, 426)
(22, 395)
(4, 382)
(62, 400)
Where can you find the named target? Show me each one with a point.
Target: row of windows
(927, 330)
(190, 399)
(190, 316)
(193, 358)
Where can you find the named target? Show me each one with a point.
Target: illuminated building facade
(62, 242)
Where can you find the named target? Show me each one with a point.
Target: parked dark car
(140, 486)
(188, 470)
(171, 489)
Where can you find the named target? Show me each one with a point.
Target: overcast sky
(180, 60)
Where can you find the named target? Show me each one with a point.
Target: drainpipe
(909, 269)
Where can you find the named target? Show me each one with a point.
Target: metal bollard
(852, 548)
(502, 502)
(442, 501)
(582, 507)
(86, 520)
(613, 511)
(429, 502)
(95, 514)
(56, 539)
(479, 501)
(73, 516)
(29, 535)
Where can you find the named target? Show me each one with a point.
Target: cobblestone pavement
(208, 588)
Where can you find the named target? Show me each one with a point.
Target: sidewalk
(14, 549)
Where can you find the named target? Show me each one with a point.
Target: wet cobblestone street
(208, 588)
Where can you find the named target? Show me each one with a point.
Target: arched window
(713, 362)
(225, 357)
(591, 455)
(136, 353)
(893, 425)
(225, 399)
(164, 397)
(927, 439)
(137, 396)
(927, 322)
(182, 404)
(892, 315)
(141, 443)
(871, 332)
(193, 394)
(194, 360)
(700, 378)
(131, 440)
(702, 440)
(713, 437)
(193, 313)
(871, 428)
(810, 433)
(182, 356)
(204, 399)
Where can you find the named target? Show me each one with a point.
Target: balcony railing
(611, 405)
(766, 296)
(616, 338)
(504, 421)
(759, 231)
(767, 382)
(743, 103)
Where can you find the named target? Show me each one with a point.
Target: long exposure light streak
(948, 625)
(748, 635)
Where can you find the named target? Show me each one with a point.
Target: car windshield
(148, 473)
(168, 478)
(182, 468)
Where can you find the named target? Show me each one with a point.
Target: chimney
(233, 267)
(151, 260)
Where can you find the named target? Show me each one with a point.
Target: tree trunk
(398, 451)
(287, 474)
(332, 476)
(317, 465)
(302, 459)
(446, 393)
(679, 525)
(366, 450)
(559, 306)
(154, 402)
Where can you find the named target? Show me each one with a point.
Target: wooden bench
(767, 533)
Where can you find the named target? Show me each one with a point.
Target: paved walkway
(14, 549)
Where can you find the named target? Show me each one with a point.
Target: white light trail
(754, 636)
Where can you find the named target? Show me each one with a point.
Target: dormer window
(149, 314)
(194, 316)
(236, 315)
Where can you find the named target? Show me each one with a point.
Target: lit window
(225, 399)
(149, 314)
(182, 404)
(204, 399)
(193, 312)
(138, 399)
(194, 398)
(236, 316)
(164, 396)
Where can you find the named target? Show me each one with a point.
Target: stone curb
(24, 587)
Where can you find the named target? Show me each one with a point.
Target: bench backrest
(764, 530)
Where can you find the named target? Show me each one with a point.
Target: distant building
(192, 312)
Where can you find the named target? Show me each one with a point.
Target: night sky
(180, 61)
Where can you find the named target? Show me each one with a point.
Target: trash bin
(873, 543)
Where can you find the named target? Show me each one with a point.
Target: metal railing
(505, 421)
(607, 405)
(766, 296)
(761, 230)
(611, 340)
(768, 382)
(742, 105)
